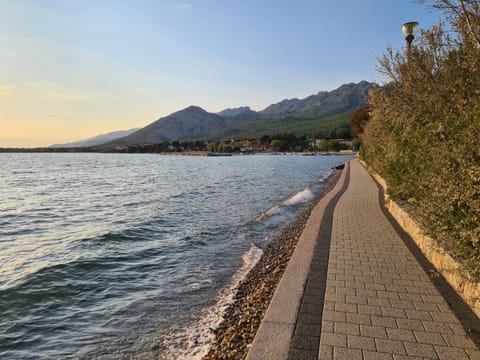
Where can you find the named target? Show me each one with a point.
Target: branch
(469, 23)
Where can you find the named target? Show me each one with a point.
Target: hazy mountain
(96, 140)
(239, 116)
(194, 123)
(346, 97)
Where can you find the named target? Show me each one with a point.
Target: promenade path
(365, 296)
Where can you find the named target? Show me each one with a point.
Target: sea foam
(196, 339)
(300, 197)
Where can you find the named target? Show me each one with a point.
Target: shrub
(423, 136)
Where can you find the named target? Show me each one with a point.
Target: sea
(136, 256)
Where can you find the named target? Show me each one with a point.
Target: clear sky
(72, 69)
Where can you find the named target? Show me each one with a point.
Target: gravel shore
(243, 317)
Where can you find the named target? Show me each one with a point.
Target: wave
(146, 247)
(194, 341)
(299, 198)
(273, 211)
(145, 231)
(77, 276)
(304, 196)
(21, 172)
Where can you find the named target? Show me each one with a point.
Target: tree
(212, 147)
(358, 120)
(277, 144)
(265, 139)
(324, 145)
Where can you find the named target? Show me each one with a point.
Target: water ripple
(111, 256)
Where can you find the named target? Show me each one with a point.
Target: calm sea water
(134, 256)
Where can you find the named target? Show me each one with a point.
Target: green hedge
(423, 137)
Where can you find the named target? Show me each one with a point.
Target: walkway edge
(274, 336)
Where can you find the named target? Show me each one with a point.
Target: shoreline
(185, 153)
(242, 318)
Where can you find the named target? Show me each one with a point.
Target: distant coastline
(173, 153)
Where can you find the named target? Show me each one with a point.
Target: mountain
(346, 97)
(242, 118)
(239, 116)
(190, 123)
(236, 111)
(314, 125)
(96, 140)
(313, 115)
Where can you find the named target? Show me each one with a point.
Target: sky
(74, 69)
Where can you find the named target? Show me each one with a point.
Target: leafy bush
(423, 135)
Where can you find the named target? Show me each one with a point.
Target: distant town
(264, 145)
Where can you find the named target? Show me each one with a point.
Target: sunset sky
(75, 69)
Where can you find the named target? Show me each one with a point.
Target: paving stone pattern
(378, 301)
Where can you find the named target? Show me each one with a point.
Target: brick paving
(377, 301)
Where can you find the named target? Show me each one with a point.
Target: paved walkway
(377, 302)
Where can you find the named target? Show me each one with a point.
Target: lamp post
(409, 30)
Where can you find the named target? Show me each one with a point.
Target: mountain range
(97, 140)
(313, 114)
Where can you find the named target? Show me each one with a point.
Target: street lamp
(409, 30)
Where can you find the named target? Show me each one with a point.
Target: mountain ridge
(195, 123)
(346, 97)
(235, 111)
